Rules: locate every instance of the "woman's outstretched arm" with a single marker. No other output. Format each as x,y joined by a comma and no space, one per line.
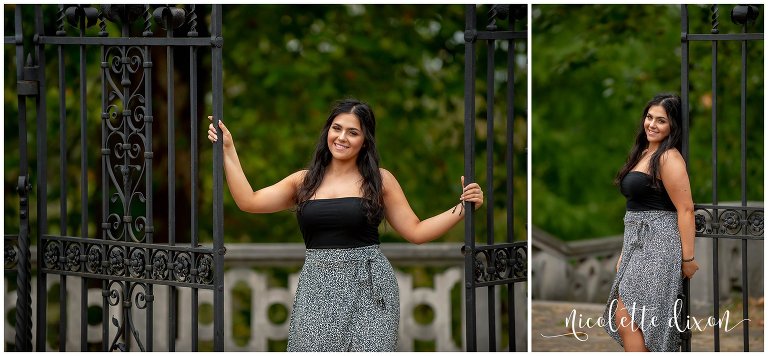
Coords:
277,197
402,218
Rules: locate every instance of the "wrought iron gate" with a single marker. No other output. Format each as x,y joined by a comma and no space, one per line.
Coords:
493,264
716,221
122,260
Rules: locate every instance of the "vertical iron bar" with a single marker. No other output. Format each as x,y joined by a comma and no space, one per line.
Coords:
24,267
489,176
63,184
42,144
195,163
148,155
83,186
684,74
510,175
172,295
470,35
218,188
715,241
104,195
126,112
686,340
744,257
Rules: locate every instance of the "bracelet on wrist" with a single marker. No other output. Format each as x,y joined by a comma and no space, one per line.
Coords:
690,259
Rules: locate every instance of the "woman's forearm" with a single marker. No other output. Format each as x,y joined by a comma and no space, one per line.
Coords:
436,226
686,224
236,180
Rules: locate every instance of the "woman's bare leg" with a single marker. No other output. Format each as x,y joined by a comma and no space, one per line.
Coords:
630,333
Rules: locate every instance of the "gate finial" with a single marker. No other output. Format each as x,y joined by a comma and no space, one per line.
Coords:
497,11
169,17
742,14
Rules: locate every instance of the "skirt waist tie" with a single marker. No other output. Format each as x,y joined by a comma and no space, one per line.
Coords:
365,277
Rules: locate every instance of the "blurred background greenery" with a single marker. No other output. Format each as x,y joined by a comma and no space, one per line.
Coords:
594,68
284,66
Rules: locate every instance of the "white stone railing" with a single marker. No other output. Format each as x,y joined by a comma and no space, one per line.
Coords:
248,265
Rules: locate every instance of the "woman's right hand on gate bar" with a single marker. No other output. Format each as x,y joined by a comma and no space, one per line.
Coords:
213,136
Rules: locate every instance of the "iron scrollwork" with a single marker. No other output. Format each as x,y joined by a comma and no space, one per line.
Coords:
103,259
119,294
11,252
126,143
497,264
730,222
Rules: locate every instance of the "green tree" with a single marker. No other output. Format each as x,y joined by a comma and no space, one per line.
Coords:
594,69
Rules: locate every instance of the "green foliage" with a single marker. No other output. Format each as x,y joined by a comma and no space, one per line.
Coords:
594,68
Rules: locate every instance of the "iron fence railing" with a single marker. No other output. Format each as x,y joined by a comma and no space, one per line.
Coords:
122,256
493,264
716,221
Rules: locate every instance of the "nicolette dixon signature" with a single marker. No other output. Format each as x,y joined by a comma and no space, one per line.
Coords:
638,319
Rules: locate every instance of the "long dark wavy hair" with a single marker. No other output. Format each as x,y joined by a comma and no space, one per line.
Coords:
671,104
367,160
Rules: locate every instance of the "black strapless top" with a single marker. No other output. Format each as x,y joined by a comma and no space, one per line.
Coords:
641,195
336,223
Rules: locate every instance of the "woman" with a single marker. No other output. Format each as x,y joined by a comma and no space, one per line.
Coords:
658,234
347,298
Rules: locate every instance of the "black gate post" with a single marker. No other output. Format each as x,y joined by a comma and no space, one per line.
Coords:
492,264
218,185
685,335
25,87
470,35
718,221
42,172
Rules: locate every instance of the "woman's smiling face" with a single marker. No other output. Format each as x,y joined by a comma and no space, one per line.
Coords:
656,124
345,137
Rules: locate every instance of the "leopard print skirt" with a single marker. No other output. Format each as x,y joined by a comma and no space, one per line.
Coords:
346,300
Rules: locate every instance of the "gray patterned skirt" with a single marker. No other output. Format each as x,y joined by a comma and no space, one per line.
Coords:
346,300
649,278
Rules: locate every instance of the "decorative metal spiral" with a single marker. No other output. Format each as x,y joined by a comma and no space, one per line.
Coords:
60,22
192,21
147,22
715,18
102,25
